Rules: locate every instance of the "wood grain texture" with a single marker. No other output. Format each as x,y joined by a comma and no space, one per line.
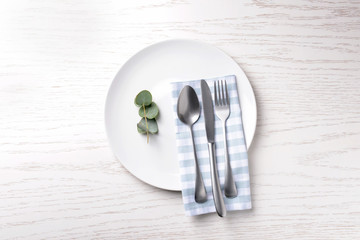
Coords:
59,179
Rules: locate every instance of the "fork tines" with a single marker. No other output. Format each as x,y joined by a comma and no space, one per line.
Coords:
221,96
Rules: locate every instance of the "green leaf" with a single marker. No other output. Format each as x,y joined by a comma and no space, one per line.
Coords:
153,127
143,98
140,130
152,111
152,124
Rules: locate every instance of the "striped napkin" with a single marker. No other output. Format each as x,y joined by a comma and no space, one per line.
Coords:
236,146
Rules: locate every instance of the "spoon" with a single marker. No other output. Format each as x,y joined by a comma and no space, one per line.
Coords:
188,111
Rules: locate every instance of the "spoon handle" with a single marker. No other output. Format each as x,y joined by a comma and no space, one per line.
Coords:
200,191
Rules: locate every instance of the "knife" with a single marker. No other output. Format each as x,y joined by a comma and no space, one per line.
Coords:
210,134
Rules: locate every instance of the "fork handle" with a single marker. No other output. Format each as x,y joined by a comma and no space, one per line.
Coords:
215,183
230,187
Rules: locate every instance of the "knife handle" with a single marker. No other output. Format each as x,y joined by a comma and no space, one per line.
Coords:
217,194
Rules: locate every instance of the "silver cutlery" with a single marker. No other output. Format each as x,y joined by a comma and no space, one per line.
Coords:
188,111
210,134
222,111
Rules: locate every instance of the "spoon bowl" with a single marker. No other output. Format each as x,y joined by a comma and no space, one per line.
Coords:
188,107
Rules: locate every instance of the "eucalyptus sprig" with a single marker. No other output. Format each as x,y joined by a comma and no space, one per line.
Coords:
149,111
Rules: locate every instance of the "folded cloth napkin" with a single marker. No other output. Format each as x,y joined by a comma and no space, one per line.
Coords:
236,148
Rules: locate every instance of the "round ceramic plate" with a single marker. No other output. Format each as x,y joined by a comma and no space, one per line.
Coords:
153,68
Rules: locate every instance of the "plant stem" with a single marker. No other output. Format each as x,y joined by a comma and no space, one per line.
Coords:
147,127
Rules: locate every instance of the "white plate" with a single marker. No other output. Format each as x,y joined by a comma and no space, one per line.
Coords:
153,68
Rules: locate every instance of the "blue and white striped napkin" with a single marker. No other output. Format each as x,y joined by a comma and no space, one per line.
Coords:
236,146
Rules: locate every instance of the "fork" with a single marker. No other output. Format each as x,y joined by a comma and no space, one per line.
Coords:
222,111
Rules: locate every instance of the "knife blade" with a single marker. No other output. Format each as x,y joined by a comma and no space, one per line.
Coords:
208,111
210,134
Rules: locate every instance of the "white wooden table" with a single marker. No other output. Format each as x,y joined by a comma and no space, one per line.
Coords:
59,178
